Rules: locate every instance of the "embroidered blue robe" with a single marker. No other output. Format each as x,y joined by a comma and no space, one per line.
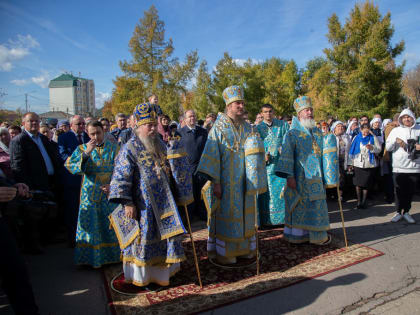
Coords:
306,207
154,238
271,203
232,223
96,243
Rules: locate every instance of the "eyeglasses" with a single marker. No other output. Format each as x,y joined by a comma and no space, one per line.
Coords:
80,124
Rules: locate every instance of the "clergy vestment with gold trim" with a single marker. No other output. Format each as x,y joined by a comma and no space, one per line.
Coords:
271,203
96,243
312,161
231,222
150,244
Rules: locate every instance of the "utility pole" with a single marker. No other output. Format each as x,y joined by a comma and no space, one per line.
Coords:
26,102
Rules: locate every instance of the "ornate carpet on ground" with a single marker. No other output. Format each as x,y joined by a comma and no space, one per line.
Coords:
282,264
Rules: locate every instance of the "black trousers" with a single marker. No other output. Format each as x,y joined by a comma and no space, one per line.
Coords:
405,187
197,207
16,282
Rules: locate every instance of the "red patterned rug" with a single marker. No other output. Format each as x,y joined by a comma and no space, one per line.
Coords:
281,264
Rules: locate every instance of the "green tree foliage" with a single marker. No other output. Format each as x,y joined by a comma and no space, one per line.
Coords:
201,102
411,88
273,81
359,75
281,84
152,69
226,73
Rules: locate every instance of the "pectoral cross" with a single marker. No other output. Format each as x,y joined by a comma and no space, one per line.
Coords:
158,170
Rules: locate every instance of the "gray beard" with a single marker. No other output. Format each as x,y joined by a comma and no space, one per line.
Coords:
308,123
152,144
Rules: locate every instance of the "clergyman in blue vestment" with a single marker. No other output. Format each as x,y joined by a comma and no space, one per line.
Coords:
231,218
147,222
308,160
96,243
271,203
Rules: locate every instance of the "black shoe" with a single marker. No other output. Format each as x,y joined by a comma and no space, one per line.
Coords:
358,206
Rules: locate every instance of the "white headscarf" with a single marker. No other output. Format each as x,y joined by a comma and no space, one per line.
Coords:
385,122
349,131
3,146
374,120
335,124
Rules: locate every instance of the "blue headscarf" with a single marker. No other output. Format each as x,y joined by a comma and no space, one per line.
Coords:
355,146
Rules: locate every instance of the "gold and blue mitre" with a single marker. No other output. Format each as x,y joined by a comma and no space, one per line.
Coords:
144,114
301,103
232,94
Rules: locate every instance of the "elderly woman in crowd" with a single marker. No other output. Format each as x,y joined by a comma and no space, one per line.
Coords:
352,128
376,127
343,148
5,169
362,157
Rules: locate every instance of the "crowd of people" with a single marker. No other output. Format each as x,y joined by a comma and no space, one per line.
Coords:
69,180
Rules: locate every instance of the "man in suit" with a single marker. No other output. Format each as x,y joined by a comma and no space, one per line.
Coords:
193,138
67,143
34,162
126,134
121,121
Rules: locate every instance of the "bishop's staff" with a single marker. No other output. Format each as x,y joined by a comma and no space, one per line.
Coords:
193,246
331,168
256,177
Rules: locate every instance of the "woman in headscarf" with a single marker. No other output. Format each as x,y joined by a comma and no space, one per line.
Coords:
352,129
163,127
376,127
5,153
362,157
343,148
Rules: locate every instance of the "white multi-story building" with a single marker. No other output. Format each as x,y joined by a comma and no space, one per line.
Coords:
72,95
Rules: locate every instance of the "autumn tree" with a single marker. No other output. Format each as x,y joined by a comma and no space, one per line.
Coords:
360,75
226,73
411,88
202,90
152,69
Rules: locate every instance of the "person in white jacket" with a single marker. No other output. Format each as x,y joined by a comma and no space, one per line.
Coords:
405,168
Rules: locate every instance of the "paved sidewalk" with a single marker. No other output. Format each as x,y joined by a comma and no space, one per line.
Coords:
385,285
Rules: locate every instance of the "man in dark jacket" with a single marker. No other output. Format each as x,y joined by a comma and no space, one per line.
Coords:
126,134
34,162
71,184
32,158
121,121
194,138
